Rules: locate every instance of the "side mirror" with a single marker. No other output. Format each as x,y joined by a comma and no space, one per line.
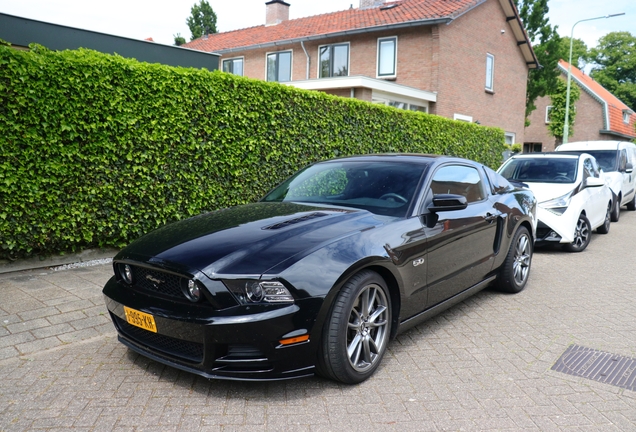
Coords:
629,168
594,182
448,202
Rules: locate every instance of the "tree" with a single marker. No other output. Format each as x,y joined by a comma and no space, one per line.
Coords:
615,65
178,39
542,81
557,113
580,53
202,21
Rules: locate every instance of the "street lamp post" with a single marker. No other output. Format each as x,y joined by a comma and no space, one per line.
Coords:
566,126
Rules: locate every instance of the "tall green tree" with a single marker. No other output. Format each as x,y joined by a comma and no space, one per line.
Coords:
202,20
615,65
546,43
557,113
580,52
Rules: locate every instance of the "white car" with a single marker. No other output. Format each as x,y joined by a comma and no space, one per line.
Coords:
573,199
617,160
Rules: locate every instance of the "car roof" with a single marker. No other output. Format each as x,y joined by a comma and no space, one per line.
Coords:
592,145
402,157
547,155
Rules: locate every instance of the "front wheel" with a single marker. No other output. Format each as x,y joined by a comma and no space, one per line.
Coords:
357,330
515,270
582,235
632,204
604,229
616,210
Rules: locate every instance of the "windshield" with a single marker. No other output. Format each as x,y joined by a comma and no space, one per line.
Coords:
541,170
381,187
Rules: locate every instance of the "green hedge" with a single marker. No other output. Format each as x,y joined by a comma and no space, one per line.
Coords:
96,150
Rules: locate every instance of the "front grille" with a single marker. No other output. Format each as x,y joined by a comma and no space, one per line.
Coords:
185,350
155,281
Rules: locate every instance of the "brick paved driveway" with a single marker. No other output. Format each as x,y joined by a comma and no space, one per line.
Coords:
483,365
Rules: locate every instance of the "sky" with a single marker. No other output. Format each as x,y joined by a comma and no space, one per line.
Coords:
162,19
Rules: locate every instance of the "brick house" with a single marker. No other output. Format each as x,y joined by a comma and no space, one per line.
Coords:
599,115
462,59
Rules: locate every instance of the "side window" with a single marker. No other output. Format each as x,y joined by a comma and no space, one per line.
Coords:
458,180
490,73
334,60
387,59
622,161
588,169
233,66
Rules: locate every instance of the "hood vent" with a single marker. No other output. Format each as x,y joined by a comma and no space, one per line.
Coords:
295,221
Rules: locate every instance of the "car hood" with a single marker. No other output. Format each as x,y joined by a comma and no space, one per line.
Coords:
547,191
246,240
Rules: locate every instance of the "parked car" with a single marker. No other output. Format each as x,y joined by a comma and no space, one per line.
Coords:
324,270
573,197
617,160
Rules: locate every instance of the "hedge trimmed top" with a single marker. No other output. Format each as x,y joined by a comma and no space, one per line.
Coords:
96,150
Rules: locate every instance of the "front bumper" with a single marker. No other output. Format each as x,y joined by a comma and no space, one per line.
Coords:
240,343
555,228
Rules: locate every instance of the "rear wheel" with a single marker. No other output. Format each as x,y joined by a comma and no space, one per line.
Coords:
582,233
616,210
357,330
604,229
515,270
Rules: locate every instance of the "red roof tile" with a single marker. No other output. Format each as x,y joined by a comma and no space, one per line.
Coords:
405,11
614,112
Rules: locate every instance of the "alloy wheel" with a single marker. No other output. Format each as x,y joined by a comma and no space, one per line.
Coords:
581,233
521,264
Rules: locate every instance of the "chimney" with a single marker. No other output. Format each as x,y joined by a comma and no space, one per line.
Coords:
276,11
367,4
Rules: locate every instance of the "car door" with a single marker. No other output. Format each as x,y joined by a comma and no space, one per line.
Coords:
597,204
460,243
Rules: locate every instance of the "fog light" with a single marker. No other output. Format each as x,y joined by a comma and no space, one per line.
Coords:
126,274
194,292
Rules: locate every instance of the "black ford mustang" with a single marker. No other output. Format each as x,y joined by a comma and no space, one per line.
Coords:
324,270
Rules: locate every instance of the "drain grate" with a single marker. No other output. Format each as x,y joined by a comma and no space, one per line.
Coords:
599,366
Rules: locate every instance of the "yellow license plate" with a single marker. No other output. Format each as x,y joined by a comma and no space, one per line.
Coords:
140,319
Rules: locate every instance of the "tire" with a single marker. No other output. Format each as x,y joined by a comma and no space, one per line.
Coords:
631,206
604,229
616,210
582,235
355,337
514,272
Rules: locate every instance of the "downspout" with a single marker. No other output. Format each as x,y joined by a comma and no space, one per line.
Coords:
302,44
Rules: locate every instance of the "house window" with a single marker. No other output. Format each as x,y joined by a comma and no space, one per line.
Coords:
626,117
233,66
387,56
279,66
334,60
532,147
490,72
548,114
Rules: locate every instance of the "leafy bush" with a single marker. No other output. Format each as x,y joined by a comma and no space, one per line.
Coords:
96,150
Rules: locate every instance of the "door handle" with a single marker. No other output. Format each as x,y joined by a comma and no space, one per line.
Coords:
490,217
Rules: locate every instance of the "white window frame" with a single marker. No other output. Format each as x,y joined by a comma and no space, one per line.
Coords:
233,59
547,113
348,59
462,117
490,76
291,64
395,57
626,116
510,136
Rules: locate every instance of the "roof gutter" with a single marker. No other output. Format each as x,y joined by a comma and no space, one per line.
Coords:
618,134
337,34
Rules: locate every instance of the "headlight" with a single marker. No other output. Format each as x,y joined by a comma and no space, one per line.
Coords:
252,292
557,205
